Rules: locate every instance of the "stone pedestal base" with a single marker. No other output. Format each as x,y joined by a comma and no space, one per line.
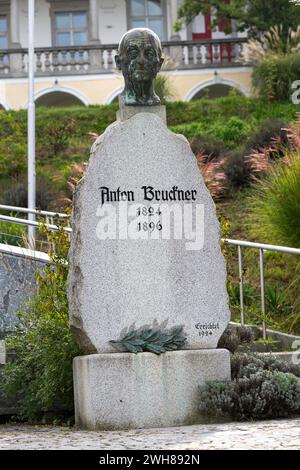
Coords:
128,391
126,112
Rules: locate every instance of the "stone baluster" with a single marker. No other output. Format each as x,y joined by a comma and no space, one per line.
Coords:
216,53
73,60
47,61
202,55
95,59
81,59
175,52
38,61
64,60
55,61
110,59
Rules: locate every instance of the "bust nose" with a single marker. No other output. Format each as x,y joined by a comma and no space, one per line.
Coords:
141,58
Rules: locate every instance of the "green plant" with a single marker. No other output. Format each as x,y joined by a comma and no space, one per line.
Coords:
56,137
232,338
233,131
41,376
271,133
274,76
261,388
12,146
156,339
16,193
243,365
208,146
275,204
163,88
255,17
12,234
276,301
237,169
249,295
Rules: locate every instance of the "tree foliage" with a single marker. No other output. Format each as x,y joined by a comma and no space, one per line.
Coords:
256,16
41,377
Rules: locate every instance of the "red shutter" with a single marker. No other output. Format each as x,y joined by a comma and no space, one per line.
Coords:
207,32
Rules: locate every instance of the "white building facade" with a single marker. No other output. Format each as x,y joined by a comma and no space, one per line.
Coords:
76,42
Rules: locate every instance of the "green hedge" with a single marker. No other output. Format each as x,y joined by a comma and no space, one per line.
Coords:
63,137
274,76
97,118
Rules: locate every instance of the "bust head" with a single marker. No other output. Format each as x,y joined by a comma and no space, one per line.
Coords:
140,59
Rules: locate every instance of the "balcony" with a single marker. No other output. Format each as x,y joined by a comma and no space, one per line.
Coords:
50,61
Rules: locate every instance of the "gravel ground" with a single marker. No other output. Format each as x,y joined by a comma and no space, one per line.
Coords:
279,434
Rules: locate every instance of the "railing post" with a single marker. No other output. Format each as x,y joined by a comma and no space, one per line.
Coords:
241,282
94,59
16,63
176,54
262,291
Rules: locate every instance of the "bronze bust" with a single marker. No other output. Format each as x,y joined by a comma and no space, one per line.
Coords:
140,59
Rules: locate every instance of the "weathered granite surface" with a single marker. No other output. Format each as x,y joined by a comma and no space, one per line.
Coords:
130,391
114,283
126,112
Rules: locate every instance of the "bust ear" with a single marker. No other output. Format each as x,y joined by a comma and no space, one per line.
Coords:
161,61
118,62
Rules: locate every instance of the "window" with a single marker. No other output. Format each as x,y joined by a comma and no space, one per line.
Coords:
147,14
3,32
71,28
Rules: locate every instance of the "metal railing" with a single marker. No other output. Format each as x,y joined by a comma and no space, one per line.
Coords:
201,53
239,243
262,248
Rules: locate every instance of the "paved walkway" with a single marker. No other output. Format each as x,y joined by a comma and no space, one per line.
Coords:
281,434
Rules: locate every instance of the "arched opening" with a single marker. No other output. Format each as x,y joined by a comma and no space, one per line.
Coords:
115,100
58,99
3,106
217,90
114,97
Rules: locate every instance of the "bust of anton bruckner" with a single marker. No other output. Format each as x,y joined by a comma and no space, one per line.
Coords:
140,59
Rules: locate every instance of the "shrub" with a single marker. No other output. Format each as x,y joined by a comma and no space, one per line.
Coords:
56,136
237,169
233,132
213,174
261,388
275,204
12,234
274,76
13,149
46,194
41,376
270,132
277,302
243,365
194,130
163,88
233,338
229,340
208,146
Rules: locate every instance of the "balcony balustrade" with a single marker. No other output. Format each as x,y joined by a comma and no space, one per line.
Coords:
79,60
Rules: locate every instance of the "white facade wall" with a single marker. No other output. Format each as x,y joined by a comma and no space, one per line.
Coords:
112,20
42,23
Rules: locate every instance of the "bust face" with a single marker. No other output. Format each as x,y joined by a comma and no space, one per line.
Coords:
139,55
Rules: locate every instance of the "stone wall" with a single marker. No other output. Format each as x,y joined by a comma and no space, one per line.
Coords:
17,285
